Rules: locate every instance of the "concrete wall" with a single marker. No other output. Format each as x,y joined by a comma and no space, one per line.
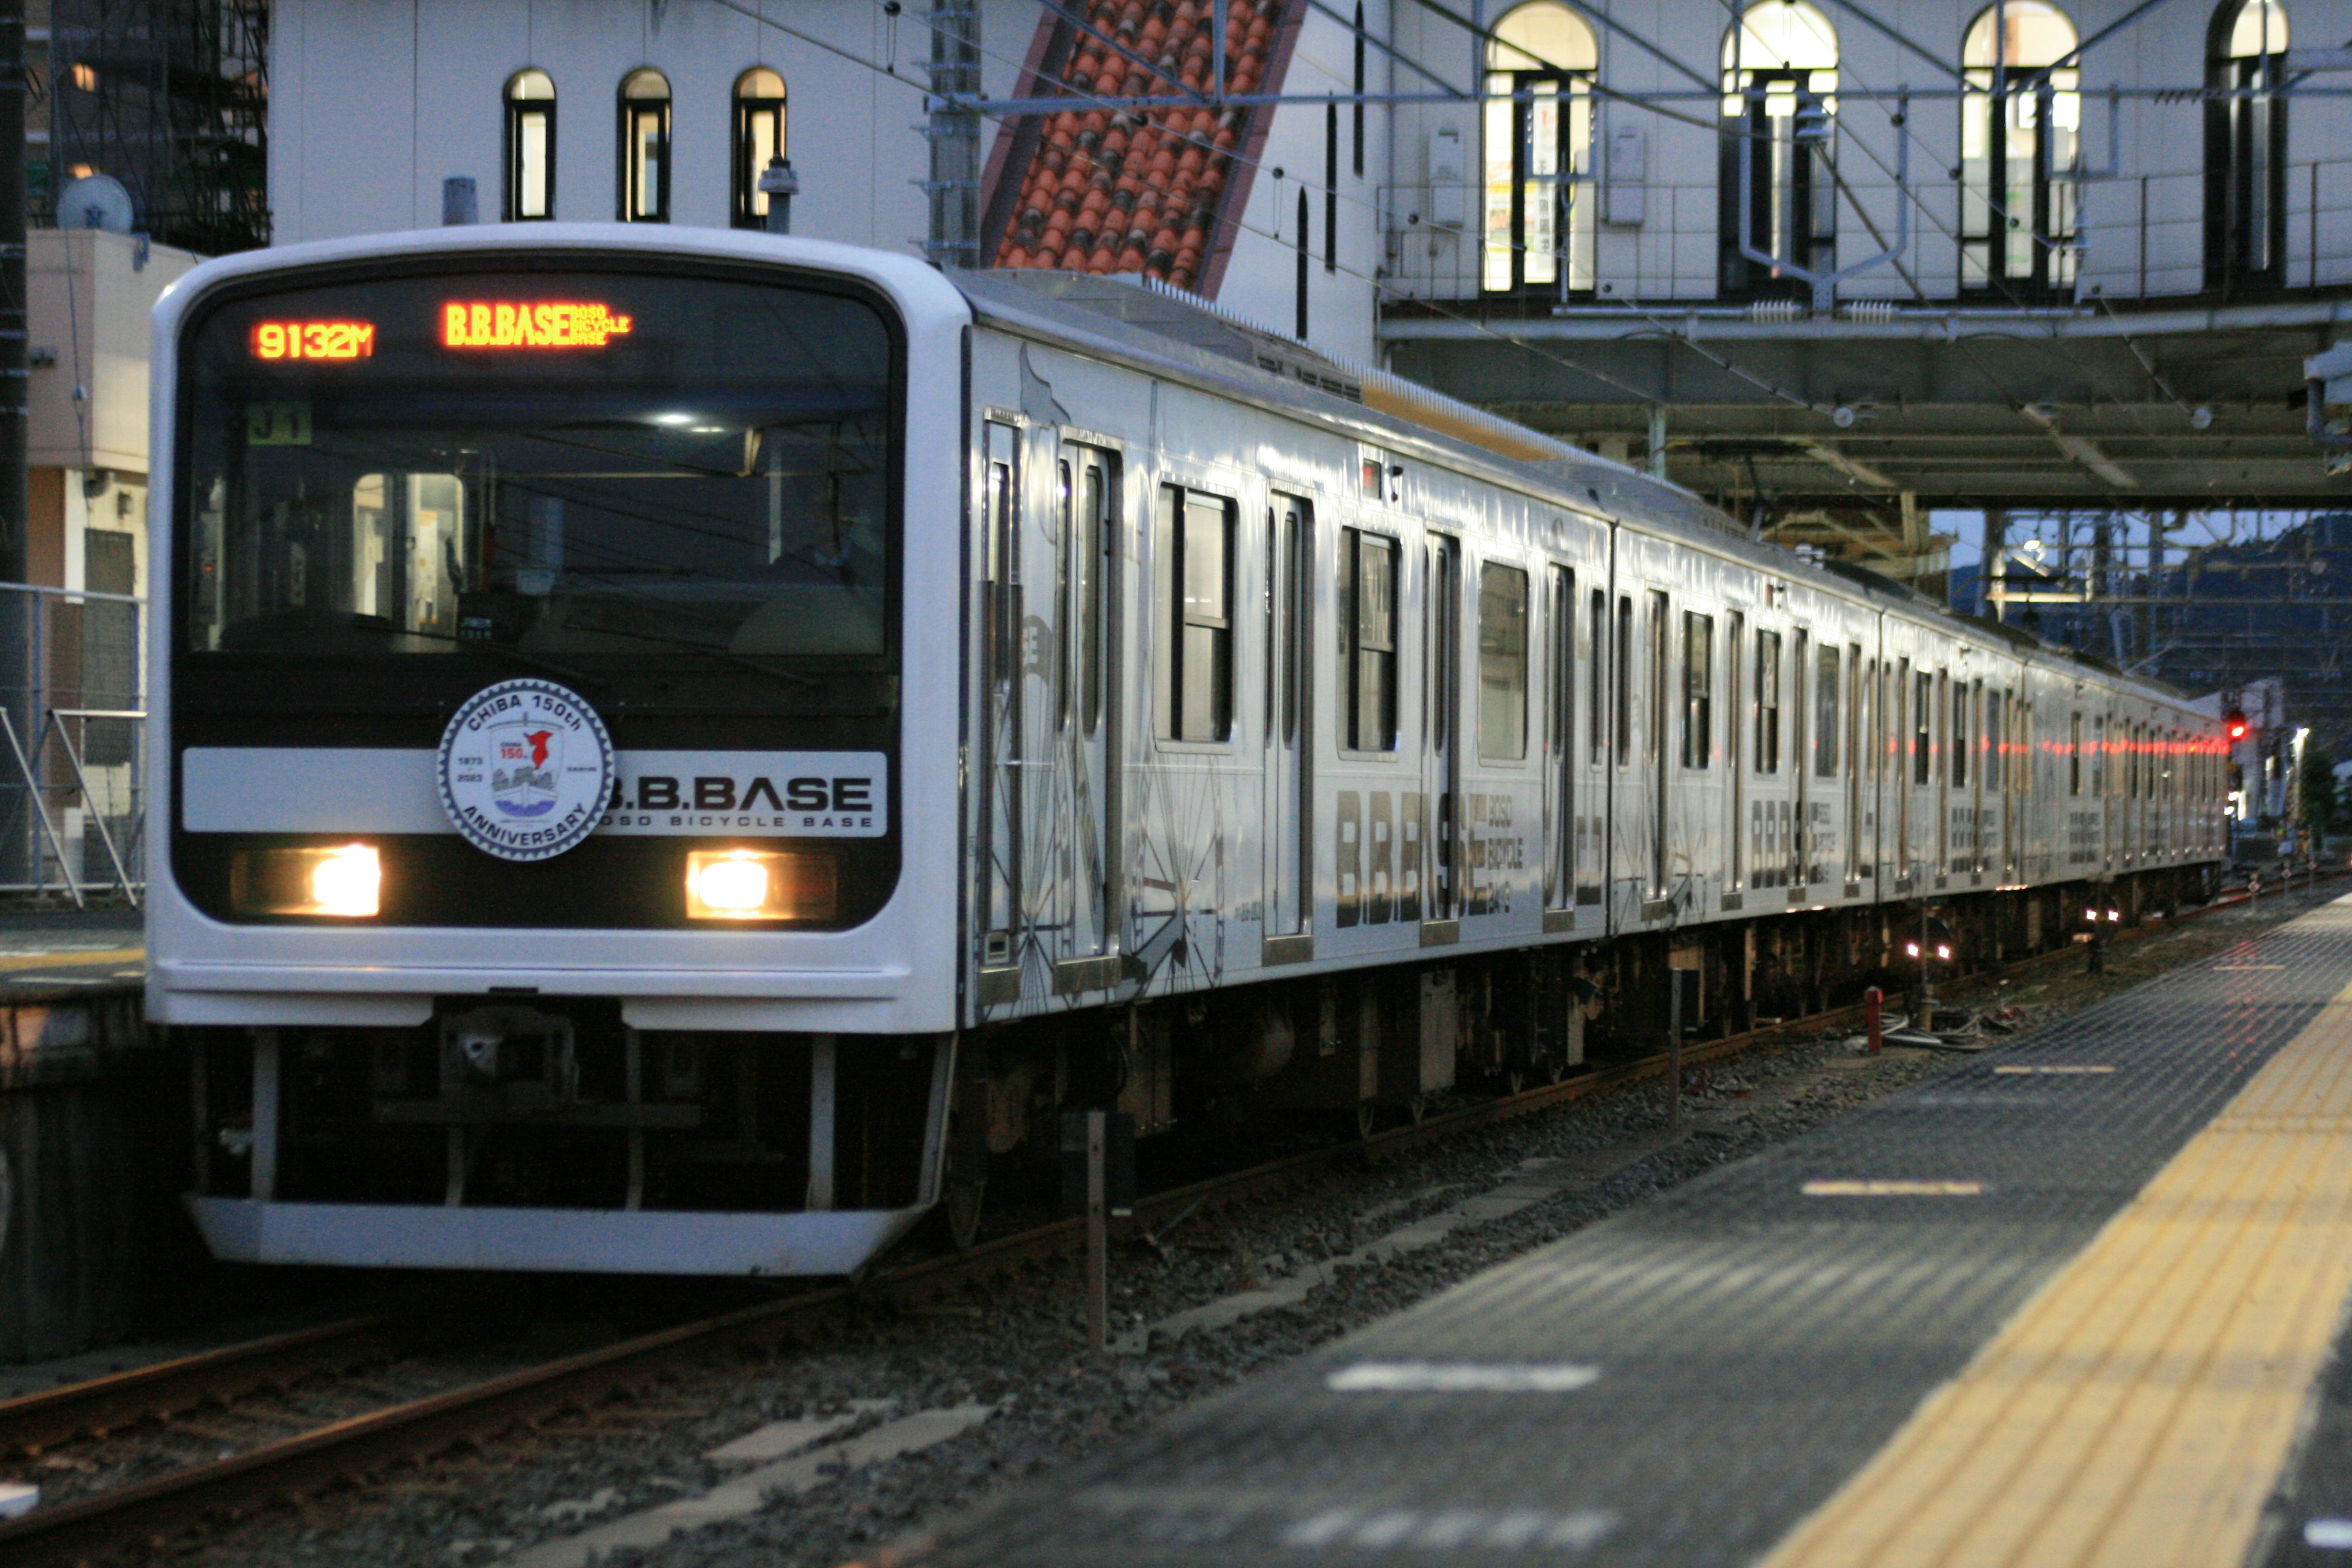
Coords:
1342,281
92,1147
375,102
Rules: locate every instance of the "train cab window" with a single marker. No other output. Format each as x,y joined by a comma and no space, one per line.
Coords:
644,147
1596,675
1192,617
567,509
530,147
1698,690
1825,711
1367,640
1767,702
1502,663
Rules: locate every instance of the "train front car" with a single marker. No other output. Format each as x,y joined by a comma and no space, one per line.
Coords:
552,865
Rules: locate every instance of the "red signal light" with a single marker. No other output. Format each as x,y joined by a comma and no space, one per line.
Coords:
2236,723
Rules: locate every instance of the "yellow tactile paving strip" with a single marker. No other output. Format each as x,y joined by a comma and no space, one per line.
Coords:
2137,1410
67,958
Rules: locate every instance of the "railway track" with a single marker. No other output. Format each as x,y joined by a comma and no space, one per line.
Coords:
152,1512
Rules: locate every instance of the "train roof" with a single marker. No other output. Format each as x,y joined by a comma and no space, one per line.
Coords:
1162,329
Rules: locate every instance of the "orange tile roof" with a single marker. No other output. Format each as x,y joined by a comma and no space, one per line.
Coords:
1106,192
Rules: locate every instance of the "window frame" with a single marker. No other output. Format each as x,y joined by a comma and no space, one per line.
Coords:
518,110
1175,622
1767,759
748,207
1698,691
1827,685
1356,543
634,110
1488,571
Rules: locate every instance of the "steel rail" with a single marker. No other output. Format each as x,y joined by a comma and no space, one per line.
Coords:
151,1513
34,1422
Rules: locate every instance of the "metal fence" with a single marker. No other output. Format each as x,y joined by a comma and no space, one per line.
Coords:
73,707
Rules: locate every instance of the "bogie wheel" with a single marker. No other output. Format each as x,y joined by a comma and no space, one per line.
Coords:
959,1210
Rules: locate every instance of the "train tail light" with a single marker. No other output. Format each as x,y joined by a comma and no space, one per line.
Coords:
759,885
345,881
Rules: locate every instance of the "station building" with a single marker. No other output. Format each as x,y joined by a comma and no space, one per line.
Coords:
1837,265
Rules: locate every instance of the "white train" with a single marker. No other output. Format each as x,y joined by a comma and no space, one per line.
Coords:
676,746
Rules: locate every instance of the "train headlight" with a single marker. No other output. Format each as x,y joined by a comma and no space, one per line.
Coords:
345,881
759,885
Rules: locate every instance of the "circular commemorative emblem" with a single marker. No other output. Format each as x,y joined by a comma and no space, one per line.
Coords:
526,769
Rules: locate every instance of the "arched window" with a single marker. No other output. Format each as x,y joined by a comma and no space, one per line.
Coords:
531,146
758,136
2245,148
1538,130
2021,150
644,147
1779,193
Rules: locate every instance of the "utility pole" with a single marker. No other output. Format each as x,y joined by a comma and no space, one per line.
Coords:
954,130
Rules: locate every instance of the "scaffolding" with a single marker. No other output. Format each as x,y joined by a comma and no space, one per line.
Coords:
171,97
2206,601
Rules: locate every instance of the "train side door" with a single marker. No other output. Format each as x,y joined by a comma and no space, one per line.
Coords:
1442,704
1000,711
1088,698
1735,755
1800,747
1560,759
1290,720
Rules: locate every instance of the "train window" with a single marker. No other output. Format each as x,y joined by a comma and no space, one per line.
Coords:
1561,725
1962,730
2074,754
1923,728
1502,663
2098,754
1622,669
1596,677
1091,552
644,147
1193,616
1996,740
1560,730
1368,639
1297,608
1656,675
758,136
1825,711
1767,702
531,146
1698,690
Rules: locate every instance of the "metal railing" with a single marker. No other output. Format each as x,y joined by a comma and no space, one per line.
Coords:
72,768
2137,235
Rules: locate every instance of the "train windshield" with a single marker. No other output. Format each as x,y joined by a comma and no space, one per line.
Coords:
595,466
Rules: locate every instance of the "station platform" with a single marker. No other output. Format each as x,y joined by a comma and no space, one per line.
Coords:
46,954
2074,1301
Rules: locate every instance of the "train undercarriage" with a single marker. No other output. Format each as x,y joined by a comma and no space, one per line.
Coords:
801,1152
